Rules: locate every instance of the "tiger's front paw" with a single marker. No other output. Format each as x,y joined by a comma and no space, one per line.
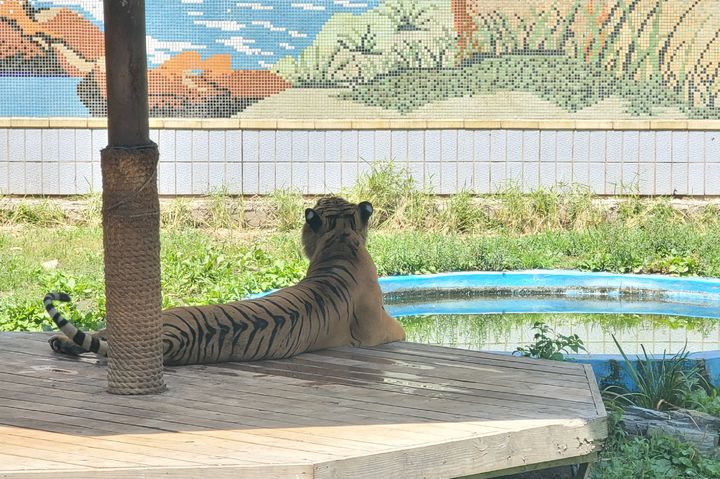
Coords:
63,345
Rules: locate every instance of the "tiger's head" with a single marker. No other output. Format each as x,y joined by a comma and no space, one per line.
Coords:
333,215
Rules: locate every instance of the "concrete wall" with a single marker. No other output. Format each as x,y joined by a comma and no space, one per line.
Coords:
65,161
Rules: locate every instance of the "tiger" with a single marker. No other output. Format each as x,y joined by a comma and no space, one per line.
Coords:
337,303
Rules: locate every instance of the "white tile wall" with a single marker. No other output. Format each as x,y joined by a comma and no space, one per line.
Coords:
4,163
67,161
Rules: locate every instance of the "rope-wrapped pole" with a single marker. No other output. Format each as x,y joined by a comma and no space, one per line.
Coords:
131,213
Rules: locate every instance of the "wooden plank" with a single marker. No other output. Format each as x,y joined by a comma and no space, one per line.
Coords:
425,363
12,462
487,403
262,422
65,454
334,406
595,391
245,441
496,380
397,432
478,357
410,388
299,471
154,452
472,456
536,467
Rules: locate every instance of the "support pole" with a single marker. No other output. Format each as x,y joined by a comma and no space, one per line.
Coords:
131,211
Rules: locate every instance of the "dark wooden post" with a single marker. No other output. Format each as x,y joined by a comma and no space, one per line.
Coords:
131,212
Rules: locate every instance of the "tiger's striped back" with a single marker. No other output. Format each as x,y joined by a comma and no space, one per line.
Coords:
338,303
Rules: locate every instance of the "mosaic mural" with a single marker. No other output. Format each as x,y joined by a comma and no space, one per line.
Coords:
524,59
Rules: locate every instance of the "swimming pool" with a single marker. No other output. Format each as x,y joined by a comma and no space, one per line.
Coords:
464,309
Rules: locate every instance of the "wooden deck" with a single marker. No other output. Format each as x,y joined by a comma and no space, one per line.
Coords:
399,411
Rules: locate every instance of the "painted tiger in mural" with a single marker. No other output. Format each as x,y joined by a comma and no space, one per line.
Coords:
338,303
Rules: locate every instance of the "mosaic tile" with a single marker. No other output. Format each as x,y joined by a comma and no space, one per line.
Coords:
217,150
283,146
316,177
531,59
216,177
300,145
383,145
696,147
680,146
250,146
679,179
166,178
316,146
399,145
16,145
663,179
83,177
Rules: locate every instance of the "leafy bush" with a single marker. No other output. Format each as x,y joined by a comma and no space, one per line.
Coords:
550,345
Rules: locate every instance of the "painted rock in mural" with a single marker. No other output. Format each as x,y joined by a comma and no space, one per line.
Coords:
187,86
61,42
54,41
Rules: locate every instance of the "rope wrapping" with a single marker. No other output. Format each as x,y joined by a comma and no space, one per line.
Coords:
131,239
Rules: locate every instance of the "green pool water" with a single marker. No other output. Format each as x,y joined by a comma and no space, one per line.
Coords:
505,332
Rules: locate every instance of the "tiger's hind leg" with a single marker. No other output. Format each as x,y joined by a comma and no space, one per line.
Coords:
63,345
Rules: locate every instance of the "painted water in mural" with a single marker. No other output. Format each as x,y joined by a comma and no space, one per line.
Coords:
484,59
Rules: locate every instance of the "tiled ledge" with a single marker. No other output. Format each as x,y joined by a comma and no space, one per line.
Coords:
387,124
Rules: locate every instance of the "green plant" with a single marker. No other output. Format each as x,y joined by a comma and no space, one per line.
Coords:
704,399
395,196
286,209
178,214
225,211
657,383
42,212
408,15
550,345
461,214
654,457
363,43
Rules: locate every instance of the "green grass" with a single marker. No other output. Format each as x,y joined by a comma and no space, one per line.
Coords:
655,457
200,266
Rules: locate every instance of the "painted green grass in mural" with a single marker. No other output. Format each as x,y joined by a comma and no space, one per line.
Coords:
569,83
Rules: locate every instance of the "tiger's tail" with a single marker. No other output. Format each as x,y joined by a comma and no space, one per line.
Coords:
86,341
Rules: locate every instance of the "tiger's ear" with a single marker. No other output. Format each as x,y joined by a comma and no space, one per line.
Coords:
313,219
366,210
